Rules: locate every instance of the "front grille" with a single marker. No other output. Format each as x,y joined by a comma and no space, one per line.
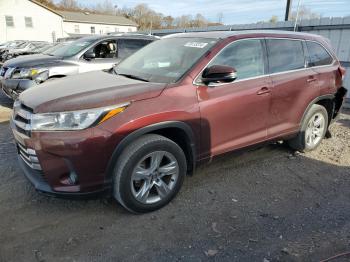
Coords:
21,118
29,156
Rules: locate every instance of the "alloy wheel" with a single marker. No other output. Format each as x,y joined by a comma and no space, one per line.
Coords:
154,177
315,130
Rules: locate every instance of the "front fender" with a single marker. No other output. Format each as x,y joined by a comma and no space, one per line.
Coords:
149,129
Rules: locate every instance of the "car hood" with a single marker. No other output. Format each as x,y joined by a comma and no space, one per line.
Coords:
32,61
88,90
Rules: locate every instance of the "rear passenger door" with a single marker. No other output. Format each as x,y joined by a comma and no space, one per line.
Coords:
294,85
323,64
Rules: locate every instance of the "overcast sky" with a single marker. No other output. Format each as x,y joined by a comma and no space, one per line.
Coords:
235,11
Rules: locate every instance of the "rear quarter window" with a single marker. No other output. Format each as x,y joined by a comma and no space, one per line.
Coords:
127,47
285,55
318,55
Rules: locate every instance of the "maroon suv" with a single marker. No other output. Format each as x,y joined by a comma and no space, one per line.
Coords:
137,132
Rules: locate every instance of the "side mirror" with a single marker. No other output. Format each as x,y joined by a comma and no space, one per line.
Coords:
90,54
219,73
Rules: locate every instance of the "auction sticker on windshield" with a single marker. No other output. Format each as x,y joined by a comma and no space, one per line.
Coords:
196,44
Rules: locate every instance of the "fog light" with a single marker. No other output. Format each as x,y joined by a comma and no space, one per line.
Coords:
73,178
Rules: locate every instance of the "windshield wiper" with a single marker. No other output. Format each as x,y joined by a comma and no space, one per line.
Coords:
134,77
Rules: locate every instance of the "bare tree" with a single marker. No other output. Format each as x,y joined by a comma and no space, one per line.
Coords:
69,5
199,21
304,13
145,17
107,7
168,21
47,3
273,19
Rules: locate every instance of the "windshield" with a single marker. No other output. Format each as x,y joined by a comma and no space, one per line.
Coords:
166,60
21,45
55,47
72,48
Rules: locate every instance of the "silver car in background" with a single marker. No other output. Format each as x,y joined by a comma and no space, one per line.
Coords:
83,55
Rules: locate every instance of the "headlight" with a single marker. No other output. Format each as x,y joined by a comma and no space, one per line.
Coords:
31,73
74,120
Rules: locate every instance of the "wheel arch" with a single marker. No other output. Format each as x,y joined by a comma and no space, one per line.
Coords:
179,132
326,101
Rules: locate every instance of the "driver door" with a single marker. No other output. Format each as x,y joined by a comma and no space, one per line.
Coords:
234,115
106,56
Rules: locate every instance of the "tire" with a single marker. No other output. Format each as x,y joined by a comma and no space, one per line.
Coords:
142,167
302,142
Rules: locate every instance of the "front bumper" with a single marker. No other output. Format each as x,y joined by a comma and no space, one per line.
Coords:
60,154
40,184
13,87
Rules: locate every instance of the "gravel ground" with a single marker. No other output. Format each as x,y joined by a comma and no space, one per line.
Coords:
264,205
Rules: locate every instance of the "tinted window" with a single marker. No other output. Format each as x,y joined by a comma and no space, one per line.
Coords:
318,55
246,56
285,55
128,47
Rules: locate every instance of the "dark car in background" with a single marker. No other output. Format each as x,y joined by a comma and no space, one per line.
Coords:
138,131
83,55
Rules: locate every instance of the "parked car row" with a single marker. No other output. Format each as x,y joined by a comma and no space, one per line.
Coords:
135,132
69,58
23,48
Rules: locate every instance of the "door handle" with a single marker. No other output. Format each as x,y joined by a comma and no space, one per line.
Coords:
311,79
263,90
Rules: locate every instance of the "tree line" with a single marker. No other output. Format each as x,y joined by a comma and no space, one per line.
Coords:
142,14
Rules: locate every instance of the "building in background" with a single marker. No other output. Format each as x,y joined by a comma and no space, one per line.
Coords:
87,23
30,20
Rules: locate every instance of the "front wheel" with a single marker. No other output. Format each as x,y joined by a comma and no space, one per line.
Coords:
149,173
313,130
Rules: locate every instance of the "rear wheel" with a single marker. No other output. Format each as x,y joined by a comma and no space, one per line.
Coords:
313,129
149,173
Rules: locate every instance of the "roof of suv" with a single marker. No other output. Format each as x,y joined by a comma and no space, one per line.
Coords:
121,35
250,33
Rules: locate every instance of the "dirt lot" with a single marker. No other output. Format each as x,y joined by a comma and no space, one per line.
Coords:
265,205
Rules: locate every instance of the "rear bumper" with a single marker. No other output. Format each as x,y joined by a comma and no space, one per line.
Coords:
340,101
13,87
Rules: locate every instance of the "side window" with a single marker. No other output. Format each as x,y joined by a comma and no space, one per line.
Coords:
76,29
318,56
106,49
28,21
285,55
9,21
246,56
129,46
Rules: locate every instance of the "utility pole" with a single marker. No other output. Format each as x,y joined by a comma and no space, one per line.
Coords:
288,9
297,17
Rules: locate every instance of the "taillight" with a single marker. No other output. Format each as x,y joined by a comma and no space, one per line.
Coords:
342,72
